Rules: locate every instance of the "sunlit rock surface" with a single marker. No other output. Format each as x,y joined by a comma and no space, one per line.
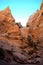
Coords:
21,45
35,24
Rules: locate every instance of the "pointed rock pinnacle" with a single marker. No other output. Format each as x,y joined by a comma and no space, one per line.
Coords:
41,7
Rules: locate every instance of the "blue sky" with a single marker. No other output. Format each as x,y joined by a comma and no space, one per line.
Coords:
21,9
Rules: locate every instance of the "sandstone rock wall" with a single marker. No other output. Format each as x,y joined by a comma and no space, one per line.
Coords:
21,44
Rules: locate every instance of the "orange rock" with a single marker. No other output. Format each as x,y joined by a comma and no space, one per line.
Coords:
25,32
8,28
6,20
14,30
35,24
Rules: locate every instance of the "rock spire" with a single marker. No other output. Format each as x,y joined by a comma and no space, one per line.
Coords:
41,7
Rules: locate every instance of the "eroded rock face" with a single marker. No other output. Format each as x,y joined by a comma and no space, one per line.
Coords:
6,20
35,24
21,45
7,23
8,28
25,32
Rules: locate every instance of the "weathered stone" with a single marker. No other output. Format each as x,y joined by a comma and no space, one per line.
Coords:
21,44
25,32
35,25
